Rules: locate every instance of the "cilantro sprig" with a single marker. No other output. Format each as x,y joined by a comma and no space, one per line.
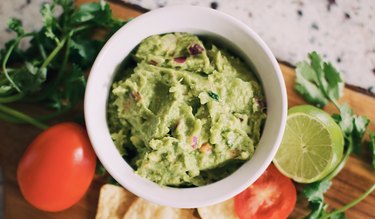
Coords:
319,83
50,72
371,144
213,95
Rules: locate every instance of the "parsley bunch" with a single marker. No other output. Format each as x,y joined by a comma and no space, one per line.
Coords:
319,83
50,72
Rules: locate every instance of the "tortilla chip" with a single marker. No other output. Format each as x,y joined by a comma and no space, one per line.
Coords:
114,201
148,210
223,210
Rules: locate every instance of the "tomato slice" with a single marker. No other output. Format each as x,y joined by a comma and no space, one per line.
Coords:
272,196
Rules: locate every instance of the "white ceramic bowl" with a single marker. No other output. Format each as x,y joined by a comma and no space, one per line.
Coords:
200,21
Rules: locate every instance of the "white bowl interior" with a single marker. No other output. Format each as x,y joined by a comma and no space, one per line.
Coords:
200,21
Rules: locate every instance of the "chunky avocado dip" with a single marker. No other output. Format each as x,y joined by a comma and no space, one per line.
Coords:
184,112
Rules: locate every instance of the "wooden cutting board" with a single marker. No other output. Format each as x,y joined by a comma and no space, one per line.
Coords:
353,180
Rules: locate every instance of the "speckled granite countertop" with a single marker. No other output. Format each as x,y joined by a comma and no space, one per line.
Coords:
342,30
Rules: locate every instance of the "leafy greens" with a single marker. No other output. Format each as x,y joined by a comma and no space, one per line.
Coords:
50,72
319,83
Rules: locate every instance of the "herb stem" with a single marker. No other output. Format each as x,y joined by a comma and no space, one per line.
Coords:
5,60
9,118
40,47
13,98
7,56
351,204
54,53
65,60
23,117
58,77
83,27
334,101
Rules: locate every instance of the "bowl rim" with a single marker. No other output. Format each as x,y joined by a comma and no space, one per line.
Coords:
174,197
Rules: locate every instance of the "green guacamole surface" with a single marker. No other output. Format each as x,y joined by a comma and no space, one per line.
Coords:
183,112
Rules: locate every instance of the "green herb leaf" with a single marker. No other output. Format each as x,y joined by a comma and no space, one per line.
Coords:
4,89
314,192
345,119
335,81
318,82
86,12
339,215
307,85
213,95
67,5
360,126
317,210
49,21
353,126
95,13
372,148
29,78
71,90
16,26
84,51
75,85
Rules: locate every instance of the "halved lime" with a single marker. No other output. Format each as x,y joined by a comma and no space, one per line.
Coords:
312,145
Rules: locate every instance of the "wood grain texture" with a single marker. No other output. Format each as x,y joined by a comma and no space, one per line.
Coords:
352,181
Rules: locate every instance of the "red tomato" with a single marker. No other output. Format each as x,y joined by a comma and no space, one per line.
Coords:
57,168
272,196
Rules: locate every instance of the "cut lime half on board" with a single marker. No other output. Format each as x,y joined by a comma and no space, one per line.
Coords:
312,145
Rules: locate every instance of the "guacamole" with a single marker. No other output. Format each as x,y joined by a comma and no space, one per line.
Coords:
184,112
